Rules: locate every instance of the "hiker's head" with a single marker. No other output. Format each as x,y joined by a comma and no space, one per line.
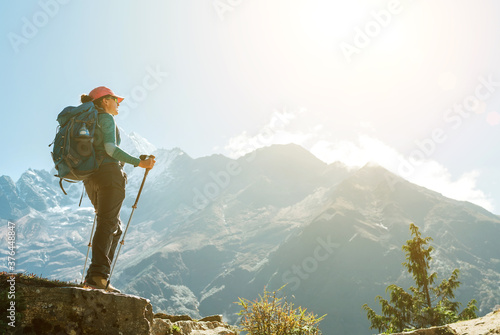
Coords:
103,98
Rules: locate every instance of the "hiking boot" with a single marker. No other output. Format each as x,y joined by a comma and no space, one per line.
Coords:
98,282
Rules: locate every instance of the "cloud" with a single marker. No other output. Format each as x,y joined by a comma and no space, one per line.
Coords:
355,153
276,131
436,177
428,173
282,128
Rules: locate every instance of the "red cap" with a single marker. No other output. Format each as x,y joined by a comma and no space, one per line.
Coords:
101,91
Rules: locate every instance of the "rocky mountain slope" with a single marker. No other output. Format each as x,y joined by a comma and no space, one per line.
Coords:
212,229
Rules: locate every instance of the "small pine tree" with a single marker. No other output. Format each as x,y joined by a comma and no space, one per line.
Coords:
426,304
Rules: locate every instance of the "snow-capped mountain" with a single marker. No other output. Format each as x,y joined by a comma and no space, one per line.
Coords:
212,229
135,144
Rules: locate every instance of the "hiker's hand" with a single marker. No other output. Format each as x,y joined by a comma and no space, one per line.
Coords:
147,163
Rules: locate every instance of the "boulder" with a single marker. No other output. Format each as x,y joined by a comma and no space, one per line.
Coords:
74,310
59,308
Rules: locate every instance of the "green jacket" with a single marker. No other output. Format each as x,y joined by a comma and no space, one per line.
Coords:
108,141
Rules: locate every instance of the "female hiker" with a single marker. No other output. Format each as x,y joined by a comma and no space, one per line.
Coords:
106,187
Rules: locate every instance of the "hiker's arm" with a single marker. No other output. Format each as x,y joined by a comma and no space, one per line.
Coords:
108,127
120,155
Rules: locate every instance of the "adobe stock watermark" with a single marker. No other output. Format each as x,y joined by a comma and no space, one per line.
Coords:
364,35
223,6
220,180
150,82
32,25
11,282
324,249
454,116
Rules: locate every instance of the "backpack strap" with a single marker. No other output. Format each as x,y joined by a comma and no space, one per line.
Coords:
81,198
61,185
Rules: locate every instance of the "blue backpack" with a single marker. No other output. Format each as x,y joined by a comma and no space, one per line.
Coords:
74,154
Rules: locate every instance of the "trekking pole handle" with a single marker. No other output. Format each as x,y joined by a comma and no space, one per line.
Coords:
144,157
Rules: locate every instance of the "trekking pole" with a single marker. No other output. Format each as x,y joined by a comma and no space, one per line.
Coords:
89,245
134,206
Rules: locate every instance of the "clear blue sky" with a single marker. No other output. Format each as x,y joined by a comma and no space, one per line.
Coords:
355,81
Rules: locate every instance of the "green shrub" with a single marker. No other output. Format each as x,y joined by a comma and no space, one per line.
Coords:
270,315
176,329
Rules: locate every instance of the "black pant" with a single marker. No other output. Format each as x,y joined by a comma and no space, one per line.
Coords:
106,190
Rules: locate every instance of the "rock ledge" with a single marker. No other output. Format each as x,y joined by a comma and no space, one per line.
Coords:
486,325
75,310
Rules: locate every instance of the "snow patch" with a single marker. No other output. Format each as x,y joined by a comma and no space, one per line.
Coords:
353,237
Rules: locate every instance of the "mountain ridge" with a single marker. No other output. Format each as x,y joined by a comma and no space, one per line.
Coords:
209,230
